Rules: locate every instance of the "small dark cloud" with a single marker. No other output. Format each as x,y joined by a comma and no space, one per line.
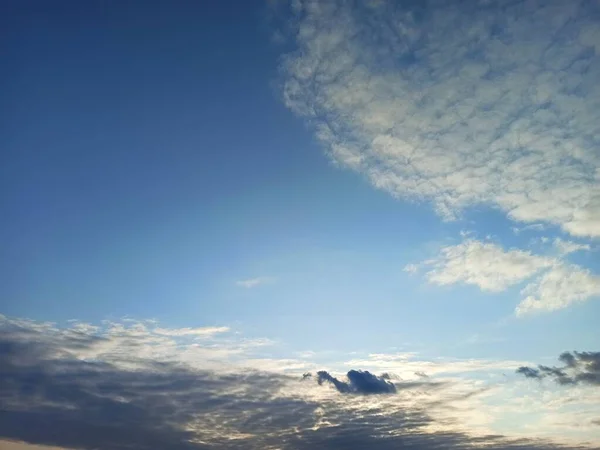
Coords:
579,367
359,382
528,372
421,374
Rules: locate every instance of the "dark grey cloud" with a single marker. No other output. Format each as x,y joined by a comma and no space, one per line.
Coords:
359,382
47,396
579,367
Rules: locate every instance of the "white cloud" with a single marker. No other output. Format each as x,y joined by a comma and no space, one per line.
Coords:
566,247
240,408
483,264
494,269
459,105
253,282
201,332
558,288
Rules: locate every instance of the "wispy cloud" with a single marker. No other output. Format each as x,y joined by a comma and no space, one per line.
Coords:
200,332
458,104
565,247
250,283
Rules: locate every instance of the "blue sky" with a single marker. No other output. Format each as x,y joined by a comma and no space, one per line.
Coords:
335,185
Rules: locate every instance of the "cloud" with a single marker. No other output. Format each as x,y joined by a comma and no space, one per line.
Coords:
52,395
491,268
564,247
532,227
253,282
359,382
458,104
558,288
483,264
578,368
201,332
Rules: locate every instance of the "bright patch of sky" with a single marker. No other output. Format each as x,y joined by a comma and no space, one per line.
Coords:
243,192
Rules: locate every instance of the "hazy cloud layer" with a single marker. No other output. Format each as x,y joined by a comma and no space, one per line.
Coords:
458,103
52,392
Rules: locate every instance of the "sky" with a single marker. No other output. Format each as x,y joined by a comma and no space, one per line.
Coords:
300,224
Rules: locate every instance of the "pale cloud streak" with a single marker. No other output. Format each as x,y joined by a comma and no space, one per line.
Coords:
199,332
565,247
250,283
458,104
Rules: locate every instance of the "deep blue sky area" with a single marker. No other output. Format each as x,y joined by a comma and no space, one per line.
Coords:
150,166
149,161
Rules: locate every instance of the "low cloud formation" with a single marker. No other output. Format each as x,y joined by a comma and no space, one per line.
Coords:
53,393
578,368
359,382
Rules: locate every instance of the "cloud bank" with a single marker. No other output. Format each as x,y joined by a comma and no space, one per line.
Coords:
57,388
458,103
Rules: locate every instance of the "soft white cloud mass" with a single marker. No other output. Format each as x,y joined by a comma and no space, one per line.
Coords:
491,268
484,264
200,332
558,288
458,103
253,282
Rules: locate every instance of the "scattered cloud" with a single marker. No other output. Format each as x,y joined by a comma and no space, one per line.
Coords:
458,104
578,367
491,268
561,286
483,264
254,282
